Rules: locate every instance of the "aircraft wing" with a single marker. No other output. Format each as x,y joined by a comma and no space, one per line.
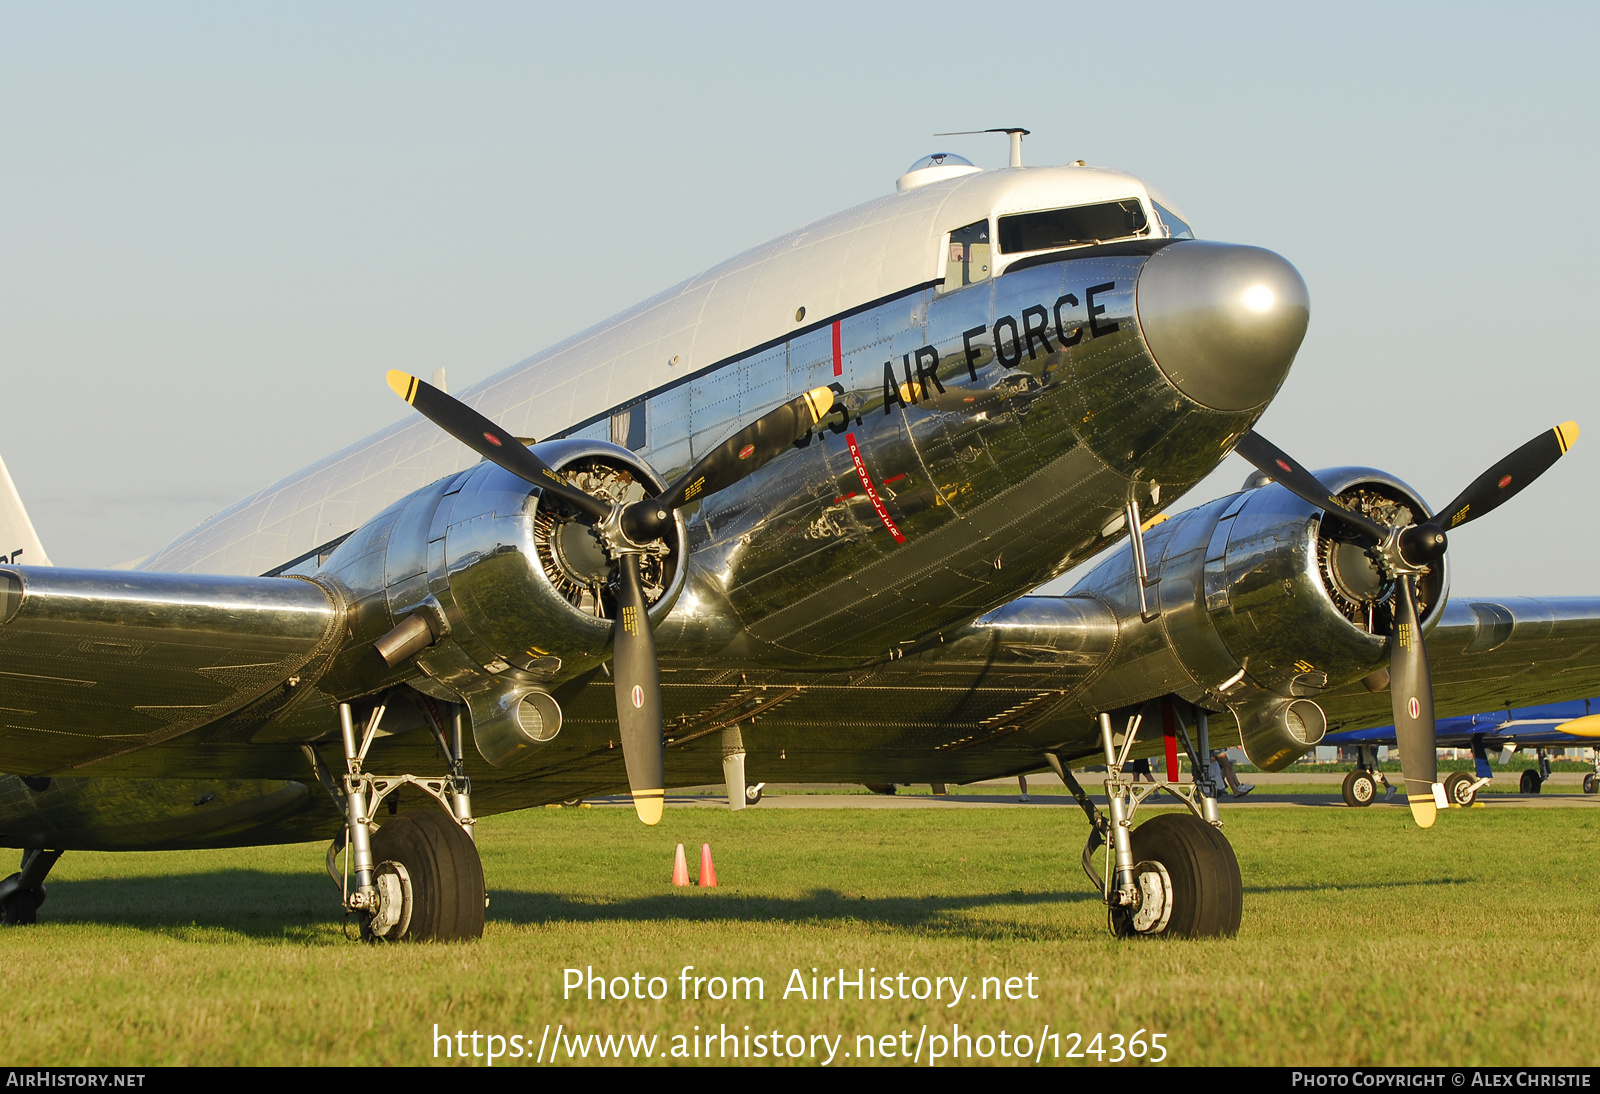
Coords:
1491,654
97,663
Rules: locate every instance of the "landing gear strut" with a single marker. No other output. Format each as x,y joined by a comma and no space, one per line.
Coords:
1176,874
23,892
418,876
1533,780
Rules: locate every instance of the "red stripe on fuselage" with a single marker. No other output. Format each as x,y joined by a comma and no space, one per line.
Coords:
838,358
872,491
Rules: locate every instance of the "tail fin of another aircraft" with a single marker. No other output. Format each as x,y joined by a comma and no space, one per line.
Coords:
19,543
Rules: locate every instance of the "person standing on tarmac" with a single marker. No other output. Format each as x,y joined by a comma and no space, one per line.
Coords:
1219,756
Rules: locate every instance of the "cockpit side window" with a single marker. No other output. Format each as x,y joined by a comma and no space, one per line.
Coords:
969,257
1176,228
1075,227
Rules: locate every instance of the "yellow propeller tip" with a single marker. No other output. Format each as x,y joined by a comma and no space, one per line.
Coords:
403,383
819,400
1423,810
1568,432
649,805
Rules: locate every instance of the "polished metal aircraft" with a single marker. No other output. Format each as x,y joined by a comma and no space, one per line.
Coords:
785,515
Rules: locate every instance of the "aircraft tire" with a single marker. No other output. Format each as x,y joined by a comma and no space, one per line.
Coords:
1359,789
1455,789
1531,781
19,909
445,874
752,794
1591,784
1207,893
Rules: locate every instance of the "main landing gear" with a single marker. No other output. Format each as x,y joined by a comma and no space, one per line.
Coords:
1533,781
418,877
1176,874
1360,787
23,892
1461,788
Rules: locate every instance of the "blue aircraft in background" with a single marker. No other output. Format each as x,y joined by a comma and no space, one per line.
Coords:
1571,724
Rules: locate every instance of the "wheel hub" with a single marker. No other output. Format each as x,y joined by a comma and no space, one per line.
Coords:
392,916
1155,898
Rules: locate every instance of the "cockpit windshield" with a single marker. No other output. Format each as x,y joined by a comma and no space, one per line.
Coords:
1176,228
1074,227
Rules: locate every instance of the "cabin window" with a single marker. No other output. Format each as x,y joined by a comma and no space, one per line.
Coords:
1076,227
627,427
969,259
1176,228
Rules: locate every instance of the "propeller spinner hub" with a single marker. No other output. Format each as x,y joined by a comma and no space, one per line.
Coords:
1410,549
614,530
1422,544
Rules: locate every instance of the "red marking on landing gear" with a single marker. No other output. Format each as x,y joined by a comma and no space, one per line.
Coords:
1170,738
838,358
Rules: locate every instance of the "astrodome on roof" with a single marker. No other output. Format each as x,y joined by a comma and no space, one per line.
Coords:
935,168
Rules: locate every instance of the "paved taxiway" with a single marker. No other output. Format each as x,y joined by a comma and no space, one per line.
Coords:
1047,791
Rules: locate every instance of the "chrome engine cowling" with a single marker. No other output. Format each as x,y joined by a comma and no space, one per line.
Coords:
517,592
1263,604
1294,601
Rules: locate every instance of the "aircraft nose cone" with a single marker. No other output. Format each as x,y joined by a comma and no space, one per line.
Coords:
1222,321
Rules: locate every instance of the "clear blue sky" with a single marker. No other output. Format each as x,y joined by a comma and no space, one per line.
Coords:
220,224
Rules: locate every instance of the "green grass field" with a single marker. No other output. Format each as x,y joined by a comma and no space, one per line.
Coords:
1364,941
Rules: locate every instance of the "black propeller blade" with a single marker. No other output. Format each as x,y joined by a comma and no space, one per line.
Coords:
638,688
1411,699
627,534
1273,461
490,441
1502,481
1401,553
733,459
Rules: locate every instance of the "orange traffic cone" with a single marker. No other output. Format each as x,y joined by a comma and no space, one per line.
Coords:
680,868
708,872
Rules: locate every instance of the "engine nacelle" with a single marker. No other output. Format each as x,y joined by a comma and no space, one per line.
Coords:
1264,603
516,593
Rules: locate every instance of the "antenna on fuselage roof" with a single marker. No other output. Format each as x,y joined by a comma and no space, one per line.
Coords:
1016,135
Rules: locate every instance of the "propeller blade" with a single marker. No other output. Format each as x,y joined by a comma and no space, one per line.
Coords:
1501,482
1411,691
490,441
637,679
768,436
1275,462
